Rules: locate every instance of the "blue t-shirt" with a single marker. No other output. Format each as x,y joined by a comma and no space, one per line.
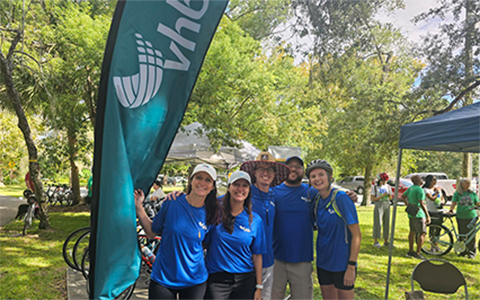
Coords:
293,230
264,205
333,252
179,262
233,252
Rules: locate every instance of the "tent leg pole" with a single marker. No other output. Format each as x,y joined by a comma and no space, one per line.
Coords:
394,214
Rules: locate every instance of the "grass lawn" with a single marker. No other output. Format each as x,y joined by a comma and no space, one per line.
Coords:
32,267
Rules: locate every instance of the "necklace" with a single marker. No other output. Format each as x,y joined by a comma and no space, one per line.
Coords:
190,212
266,203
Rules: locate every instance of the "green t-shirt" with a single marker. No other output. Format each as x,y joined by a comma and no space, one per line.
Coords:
464,203
89,186
415,195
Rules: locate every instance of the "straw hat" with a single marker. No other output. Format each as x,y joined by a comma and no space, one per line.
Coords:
282,171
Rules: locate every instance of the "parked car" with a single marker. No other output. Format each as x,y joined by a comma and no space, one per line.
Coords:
354,183
403,185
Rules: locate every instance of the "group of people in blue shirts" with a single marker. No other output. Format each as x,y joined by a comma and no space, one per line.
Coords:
258,237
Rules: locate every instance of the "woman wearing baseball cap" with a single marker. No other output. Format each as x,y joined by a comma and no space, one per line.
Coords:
179,269
339,236
235,247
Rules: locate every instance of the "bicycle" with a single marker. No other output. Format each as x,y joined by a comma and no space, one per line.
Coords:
440,239
32,202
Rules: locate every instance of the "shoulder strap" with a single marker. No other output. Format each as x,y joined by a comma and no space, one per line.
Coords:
333,203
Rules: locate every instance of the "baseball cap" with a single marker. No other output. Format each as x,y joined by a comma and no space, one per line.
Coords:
294,157
239,175
205,168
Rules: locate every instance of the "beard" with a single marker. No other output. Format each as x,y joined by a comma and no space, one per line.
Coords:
294,181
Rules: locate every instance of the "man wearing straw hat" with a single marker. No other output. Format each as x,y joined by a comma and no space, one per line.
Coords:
266,173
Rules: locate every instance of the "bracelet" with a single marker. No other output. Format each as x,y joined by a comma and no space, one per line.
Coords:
352,263
259,286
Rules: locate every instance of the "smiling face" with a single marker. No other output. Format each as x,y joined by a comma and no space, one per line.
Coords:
202,184
466,185
239,190
319,179
264,174
296,172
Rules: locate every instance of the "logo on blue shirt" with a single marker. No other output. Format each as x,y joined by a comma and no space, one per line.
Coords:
306,199
245,228
202,225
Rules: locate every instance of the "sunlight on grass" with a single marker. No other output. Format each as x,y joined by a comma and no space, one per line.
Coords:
32,267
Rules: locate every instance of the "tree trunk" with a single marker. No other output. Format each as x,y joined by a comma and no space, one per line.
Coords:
34,168
367,187
469,76
74,178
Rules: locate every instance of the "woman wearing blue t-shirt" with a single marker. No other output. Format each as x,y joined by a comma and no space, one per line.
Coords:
179,269
235,247
339,236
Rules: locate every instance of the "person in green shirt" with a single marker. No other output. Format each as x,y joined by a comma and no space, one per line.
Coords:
464,199
415,195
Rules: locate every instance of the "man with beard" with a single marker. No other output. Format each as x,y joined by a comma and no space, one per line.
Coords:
293,234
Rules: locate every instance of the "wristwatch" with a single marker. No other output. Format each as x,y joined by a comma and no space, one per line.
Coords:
259,286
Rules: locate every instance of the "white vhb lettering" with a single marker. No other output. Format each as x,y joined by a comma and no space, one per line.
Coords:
183,63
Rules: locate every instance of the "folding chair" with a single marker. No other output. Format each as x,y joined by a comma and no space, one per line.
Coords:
442,278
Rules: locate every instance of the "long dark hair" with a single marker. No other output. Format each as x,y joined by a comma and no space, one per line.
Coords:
228,220
211,204
428,181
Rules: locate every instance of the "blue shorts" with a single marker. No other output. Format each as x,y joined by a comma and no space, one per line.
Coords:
336,278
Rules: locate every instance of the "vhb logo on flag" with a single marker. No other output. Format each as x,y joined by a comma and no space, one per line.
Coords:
154,52
133,91
136,90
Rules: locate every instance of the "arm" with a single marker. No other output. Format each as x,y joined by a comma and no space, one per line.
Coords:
257,265
173,195
142,215
424,207
432,197
404,198
452,207
352,195
349,278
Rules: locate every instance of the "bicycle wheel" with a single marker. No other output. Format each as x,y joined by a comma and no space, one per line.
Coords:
127,293
68,198
69,244
85,266
439,240
81,246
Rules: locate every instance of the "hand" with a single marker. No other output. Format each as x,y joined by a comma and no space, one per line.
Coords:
428,220
349,278
352,196
139,198
173,195
258,294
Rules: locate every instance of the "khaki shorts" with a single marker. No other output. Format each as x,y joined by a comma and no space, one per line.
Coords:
418,225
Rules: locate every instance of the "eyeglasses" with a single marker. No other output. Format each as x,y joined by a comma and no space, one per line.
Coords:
269,170
298,167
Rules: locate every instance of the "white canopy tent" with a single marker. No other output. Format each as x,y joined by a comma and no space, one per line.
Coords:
194,146
455,131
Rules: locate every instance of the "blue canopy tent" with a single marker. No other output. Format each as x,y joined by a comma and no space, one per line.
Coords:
455,131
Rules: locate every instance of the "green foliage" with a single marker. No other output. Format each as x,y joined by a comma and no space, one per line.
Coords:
243,94
452,53
259,18
434,161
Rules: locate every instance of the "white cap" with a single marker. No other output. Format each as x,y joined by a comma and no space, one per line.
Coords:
205,168
239,175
